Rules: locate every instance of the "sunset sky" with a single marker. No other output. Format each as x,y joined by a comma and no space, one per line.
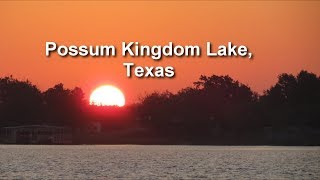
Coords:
283,36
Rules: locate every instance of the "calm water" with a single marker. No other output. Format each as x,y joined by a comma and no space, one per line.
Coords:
154,162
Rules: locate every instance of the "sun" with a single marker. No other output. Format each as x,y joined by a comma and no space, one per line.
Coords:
107,95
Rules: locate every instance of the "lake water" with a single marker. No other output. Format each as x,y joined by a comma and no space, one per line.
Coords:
154,162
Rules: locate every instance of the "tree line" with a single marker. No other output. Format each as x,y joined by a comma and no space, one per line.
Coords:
214,110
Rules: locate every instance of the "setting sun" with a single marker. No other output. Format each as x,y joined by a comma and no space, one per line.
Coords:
107,95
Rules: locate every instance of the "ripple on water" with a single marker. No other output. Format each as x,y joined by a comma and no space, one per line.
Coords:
153,162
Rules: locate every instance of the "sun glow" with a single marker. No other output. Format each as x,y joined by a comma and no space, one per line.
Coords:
107,95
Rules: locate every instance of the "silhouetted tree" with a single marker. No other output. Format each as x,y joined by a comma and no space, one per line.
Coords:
293,101
20,102
215,110
216,102
155,108
64,106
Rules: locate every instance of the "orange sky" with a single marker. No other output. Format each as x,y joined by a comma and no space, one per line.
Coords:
283,37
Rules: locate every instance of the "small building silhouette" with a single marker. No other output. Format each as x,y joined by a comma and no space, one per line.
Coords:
36,134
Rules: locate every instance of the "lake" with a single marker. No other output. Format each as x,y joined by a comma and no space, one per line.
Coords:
154,162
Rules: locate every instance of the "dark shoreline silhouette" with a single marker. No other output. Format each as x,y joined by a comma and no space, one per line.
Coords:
216,110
